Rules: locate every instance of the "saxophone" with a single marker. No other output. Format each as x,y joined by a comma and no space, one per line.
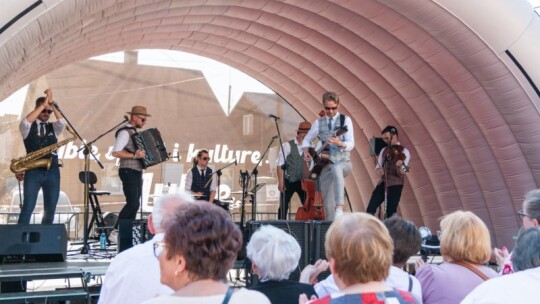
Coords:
34,159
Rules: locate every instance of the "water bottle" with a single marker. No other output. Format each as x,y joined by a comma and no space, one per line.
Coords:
103,240
166,189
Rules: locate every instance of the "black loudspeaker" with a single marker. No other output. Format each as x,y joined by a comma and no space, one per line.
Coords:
131,233
33,243
300,230
318,236
376,144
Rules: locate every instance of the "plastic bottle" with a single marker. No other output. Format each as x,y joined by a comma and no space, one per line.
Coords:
103,240
166,189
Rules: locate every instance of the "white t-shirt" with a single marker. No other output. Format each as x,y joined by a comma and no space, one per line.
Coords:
242,296
518,287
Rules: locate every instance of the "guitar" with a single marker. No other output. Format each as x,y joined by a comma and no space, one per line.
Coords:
321,157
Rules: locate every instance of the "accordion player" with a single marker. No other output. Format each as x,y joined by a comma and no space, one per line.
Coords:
151,143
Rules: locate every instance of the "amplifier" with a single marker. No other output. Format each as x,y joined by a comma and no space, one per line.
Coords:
33,243
131,233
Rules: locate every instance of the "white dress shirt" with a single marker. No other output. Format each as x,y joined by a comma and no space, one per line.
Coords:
134,276
58,126
314,132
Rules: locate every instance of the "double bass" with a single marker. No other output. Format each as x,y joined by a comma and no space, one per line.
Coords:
313,208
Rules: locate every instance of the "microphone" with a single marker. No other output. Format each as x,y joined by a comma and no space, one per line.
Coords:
273,116
126,118
55,104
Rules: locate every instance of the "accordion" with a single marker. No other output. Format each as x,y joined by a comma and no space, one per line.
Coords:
151,143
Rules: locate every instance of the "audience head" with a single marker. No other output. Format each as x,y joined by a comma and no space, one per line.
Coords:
531,209
201,242
526,254
359,249
163,207
406,238
465,237
274,253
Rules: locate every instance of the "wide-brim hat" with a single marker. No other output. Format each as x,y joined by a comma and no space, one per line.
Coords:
138,110
304,126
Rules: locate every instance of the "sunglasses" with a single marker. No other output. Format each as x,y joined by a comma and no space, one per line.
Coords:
205,158
143,119
47,111
330,108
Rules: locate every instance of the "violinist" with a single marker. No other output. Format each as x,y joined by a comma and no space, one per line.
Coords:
291,169
392,164
332,177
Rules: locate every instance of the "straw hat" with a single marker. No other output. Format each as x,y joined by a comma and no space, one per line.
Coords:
304,126
139,110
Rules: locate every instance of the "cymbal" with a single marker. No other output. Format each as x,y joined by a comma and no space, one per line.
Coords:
240,192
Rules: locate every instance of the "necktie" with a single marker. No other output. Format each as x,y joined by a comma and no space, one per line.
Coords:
202,173
330,124
42,129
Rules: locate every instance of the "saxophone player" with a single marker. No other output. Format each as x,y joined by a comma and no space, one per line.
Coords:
37,133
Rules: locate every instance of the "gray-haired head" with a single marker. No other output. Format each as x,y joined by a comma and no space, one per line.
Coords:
274,252
165,203
531,204
526,254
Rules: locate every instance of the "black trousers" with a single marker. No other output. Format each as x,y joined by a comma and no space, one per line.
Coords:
132,186
285,197
377,198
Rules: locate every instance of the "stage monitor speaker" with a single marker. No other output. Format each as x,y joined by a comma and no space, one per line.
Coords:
131,233
300,230
33,243
319,252
376,144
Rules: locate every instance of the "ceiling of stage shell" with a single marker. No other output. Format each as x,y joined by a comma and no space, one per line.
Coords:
468,118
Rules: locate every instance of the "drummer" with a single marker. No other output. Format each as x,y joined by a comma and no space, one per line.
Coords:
200,181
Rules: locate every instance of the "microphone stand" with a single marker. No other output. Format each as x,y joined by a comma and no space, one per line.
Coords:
244,181
387,163
255,172
218,173
283,213
87,150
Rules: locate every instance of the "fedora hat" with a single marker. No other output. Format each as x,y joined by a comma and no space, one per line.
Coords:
304,126
138,110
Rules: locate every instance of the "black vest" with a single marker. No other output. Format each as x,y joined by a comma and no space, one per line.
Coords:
295,164
198,182
33,142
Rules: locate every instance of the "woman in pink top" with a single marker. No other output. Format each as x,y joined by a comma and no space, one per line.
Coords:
465,246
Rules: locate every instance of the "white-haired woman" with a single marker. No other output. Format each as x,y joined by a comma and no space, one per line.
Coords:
274,255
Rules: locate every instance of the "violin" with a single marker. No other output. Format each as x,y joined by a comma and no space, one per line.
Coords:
395,153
